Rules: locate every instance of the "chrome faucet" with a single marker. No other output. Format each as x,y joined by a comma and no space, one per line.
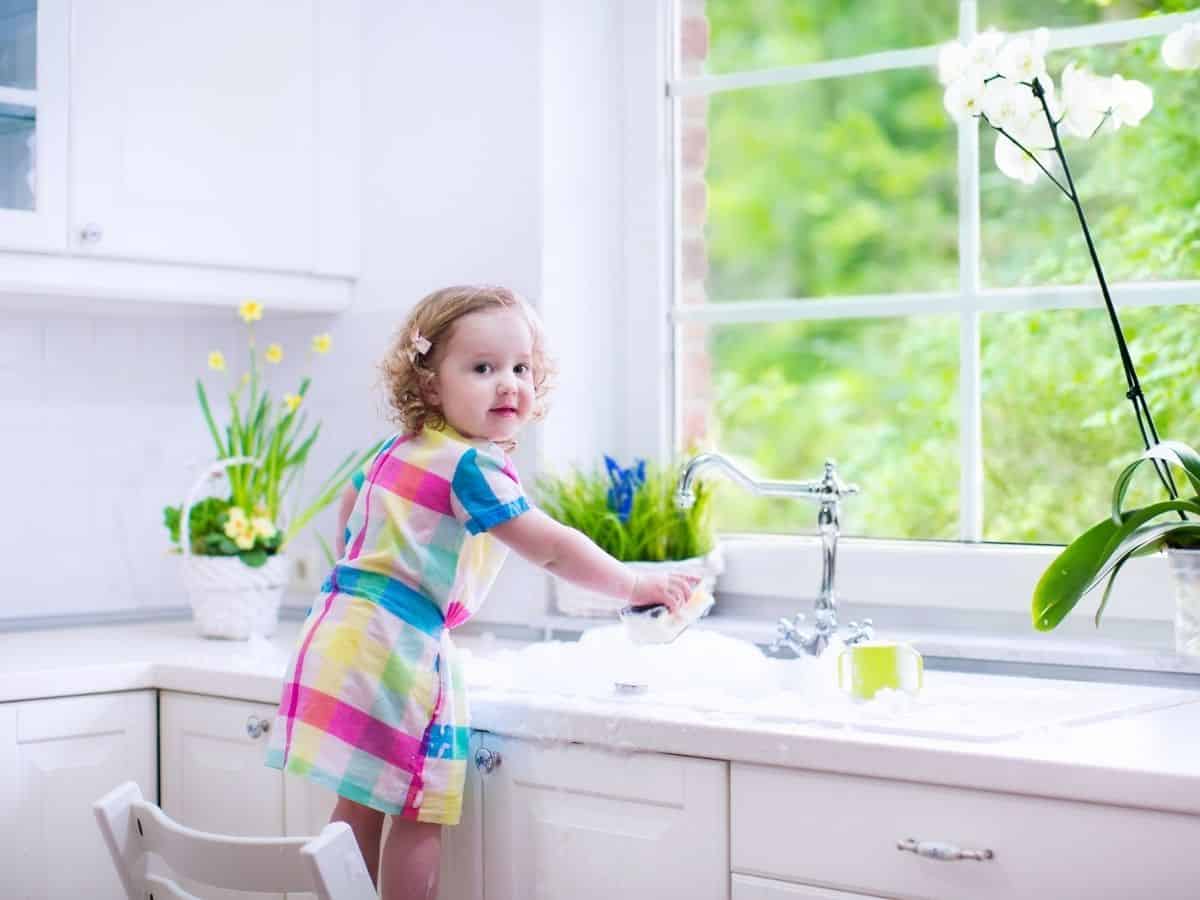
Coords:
827,492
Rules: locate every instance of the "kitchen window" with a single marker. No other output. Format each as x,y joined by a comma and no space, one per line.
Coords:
852,278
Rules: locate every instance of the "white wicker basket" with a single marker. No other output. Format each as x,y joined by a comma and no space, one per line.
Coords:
572,600
230,599
1185,574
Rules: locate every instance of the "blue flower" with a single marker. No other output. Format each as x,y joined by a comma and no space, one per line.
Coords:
625,483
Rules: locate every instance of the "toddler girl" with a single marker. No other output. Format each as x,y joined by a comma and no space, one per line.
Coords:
373,704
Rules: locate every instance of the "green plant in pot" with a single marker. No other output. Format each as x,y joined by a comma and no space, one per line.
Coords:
1101,551
631,514
234,567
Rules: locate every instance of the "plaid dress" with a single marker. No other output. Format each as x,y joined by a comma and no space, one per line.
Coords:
373,703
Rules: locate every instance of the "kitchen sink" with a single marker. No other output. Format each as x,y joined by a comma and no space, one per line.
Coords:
710,673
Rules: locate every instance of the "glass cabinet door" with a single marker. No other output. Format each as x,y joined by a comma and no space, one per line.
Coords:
18,104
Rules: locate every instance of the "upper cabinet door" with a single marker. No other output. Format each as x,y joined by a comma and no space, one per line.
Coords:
33,126
204,132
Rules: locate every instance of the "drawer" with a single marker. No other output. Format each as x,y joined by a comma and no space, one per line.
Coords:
841,831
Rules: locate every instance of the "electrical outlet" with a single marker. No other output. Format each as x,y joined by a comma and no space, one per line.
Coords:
307,571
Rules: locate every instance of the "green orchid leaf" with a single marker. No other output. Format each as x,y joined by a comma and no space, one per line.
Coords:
1175,452
1088,558
1139,539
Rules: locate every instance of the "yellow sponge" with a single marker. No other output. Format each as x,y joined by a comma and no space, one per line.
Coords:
658,625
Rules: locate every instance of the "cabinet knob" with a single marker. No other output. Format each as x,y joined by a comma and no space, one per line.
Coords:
256,727
486,760
943,851
90,233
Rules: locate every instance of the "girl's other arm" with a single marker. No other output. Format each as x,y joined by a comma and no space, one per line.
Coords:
345,507
567,553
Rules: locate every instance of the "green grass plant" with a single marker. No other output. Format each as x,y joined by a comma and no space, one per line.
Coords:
656,530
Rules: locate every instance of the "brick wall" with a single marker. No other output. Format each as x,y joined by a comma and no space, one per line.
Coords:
696,399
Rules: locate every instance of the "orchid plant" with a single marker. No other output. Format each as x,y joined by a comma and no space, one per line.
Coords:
250,522
1003,81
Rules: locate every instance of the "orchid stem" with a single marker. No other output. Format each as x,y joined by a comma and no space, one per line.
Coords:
1141,408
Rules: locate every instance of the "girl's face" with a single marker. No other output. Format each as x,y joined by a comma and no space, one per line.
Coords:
483,380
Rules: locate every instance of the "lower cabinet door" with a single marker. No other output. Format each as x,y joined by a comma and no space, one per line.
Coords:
462,844
747,887
568,821
57,758
213,774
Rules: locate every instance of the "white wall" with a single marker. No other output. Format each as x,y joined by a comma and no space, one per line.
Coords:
491,152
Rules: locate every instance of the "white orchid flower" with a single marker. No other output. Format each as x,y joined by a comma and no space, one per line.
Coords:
1031,127
1015,162
1181,48
983,49
964,97
952,62
1131,100
1086,101
1024,57
1003,103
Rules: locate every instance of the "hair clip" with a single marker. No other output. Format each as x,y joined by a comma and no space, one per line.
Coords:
417,346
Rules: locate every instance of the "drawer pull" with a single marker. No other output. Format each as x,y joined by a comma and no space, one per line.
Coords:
942,850
256,727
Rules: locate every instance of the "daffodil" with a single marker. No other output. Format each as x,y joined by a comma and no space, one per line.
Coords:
274,354
322,343
250,311
263,527
235,522
216,361
292,401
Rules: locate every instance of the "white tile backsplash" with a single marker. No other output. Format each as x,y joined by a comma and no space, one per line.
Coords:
101,429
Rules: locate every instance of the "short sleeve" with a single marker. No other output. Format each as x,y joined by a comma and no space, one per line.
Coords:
485,491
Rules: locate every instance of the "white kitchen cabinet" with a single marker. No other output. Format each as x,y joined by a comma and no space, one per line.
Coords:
33,124
213,775
57,758
844,832
580,822
219,133
747,887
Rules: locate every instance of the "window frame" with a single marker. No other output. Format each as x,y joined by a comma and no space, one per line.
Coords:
761,562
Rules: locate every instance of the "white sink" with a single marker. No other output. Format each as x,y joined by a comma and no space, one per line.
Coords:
706,671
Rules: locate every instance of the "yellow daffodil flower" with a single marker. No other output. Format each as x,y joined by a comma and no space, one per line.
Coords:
250,311
292,401
322,343
262,527
274,354
216,361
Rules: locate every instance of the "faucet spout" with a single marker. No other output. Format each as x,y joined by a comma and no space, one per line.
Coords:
826,491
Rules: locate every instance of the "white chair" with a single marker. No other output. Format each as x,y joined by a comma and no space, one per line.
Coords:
329,865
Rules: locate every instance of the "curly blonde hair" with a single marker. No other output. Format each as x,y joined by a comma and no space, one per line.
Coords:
408,373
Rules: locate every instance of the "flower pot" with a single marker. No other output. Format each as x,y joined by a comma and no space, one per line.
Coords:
572,600
1185,576
229,598
232,600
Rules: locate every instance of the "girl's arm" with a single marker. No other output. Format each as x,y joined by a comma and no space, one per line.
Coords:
567,553
345,507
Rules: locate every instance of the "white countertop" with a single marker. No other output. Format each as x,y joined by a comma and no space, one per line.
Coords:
1142,759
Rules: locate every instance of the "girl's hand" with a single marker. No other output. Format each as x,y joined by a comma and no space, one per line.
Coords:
670,589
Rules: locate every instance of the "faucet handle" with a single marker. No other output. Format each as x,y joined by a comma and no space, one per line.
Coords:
832,484
857,632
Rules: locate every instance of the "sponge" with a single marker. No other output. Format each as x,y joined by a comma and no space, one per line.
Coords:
658,625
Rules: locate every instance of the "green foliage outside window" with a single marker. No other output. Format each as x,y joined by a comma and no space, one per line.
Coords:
848,186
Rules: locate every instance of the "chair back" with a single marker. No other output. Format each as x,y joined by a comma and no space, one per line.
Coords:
136,831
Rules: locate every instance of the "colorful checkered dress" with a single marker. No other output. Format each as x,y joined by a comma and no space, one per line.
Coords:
373,703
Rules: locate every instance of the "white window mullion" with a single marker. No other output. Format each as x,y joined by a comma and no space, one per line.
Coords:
970,400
